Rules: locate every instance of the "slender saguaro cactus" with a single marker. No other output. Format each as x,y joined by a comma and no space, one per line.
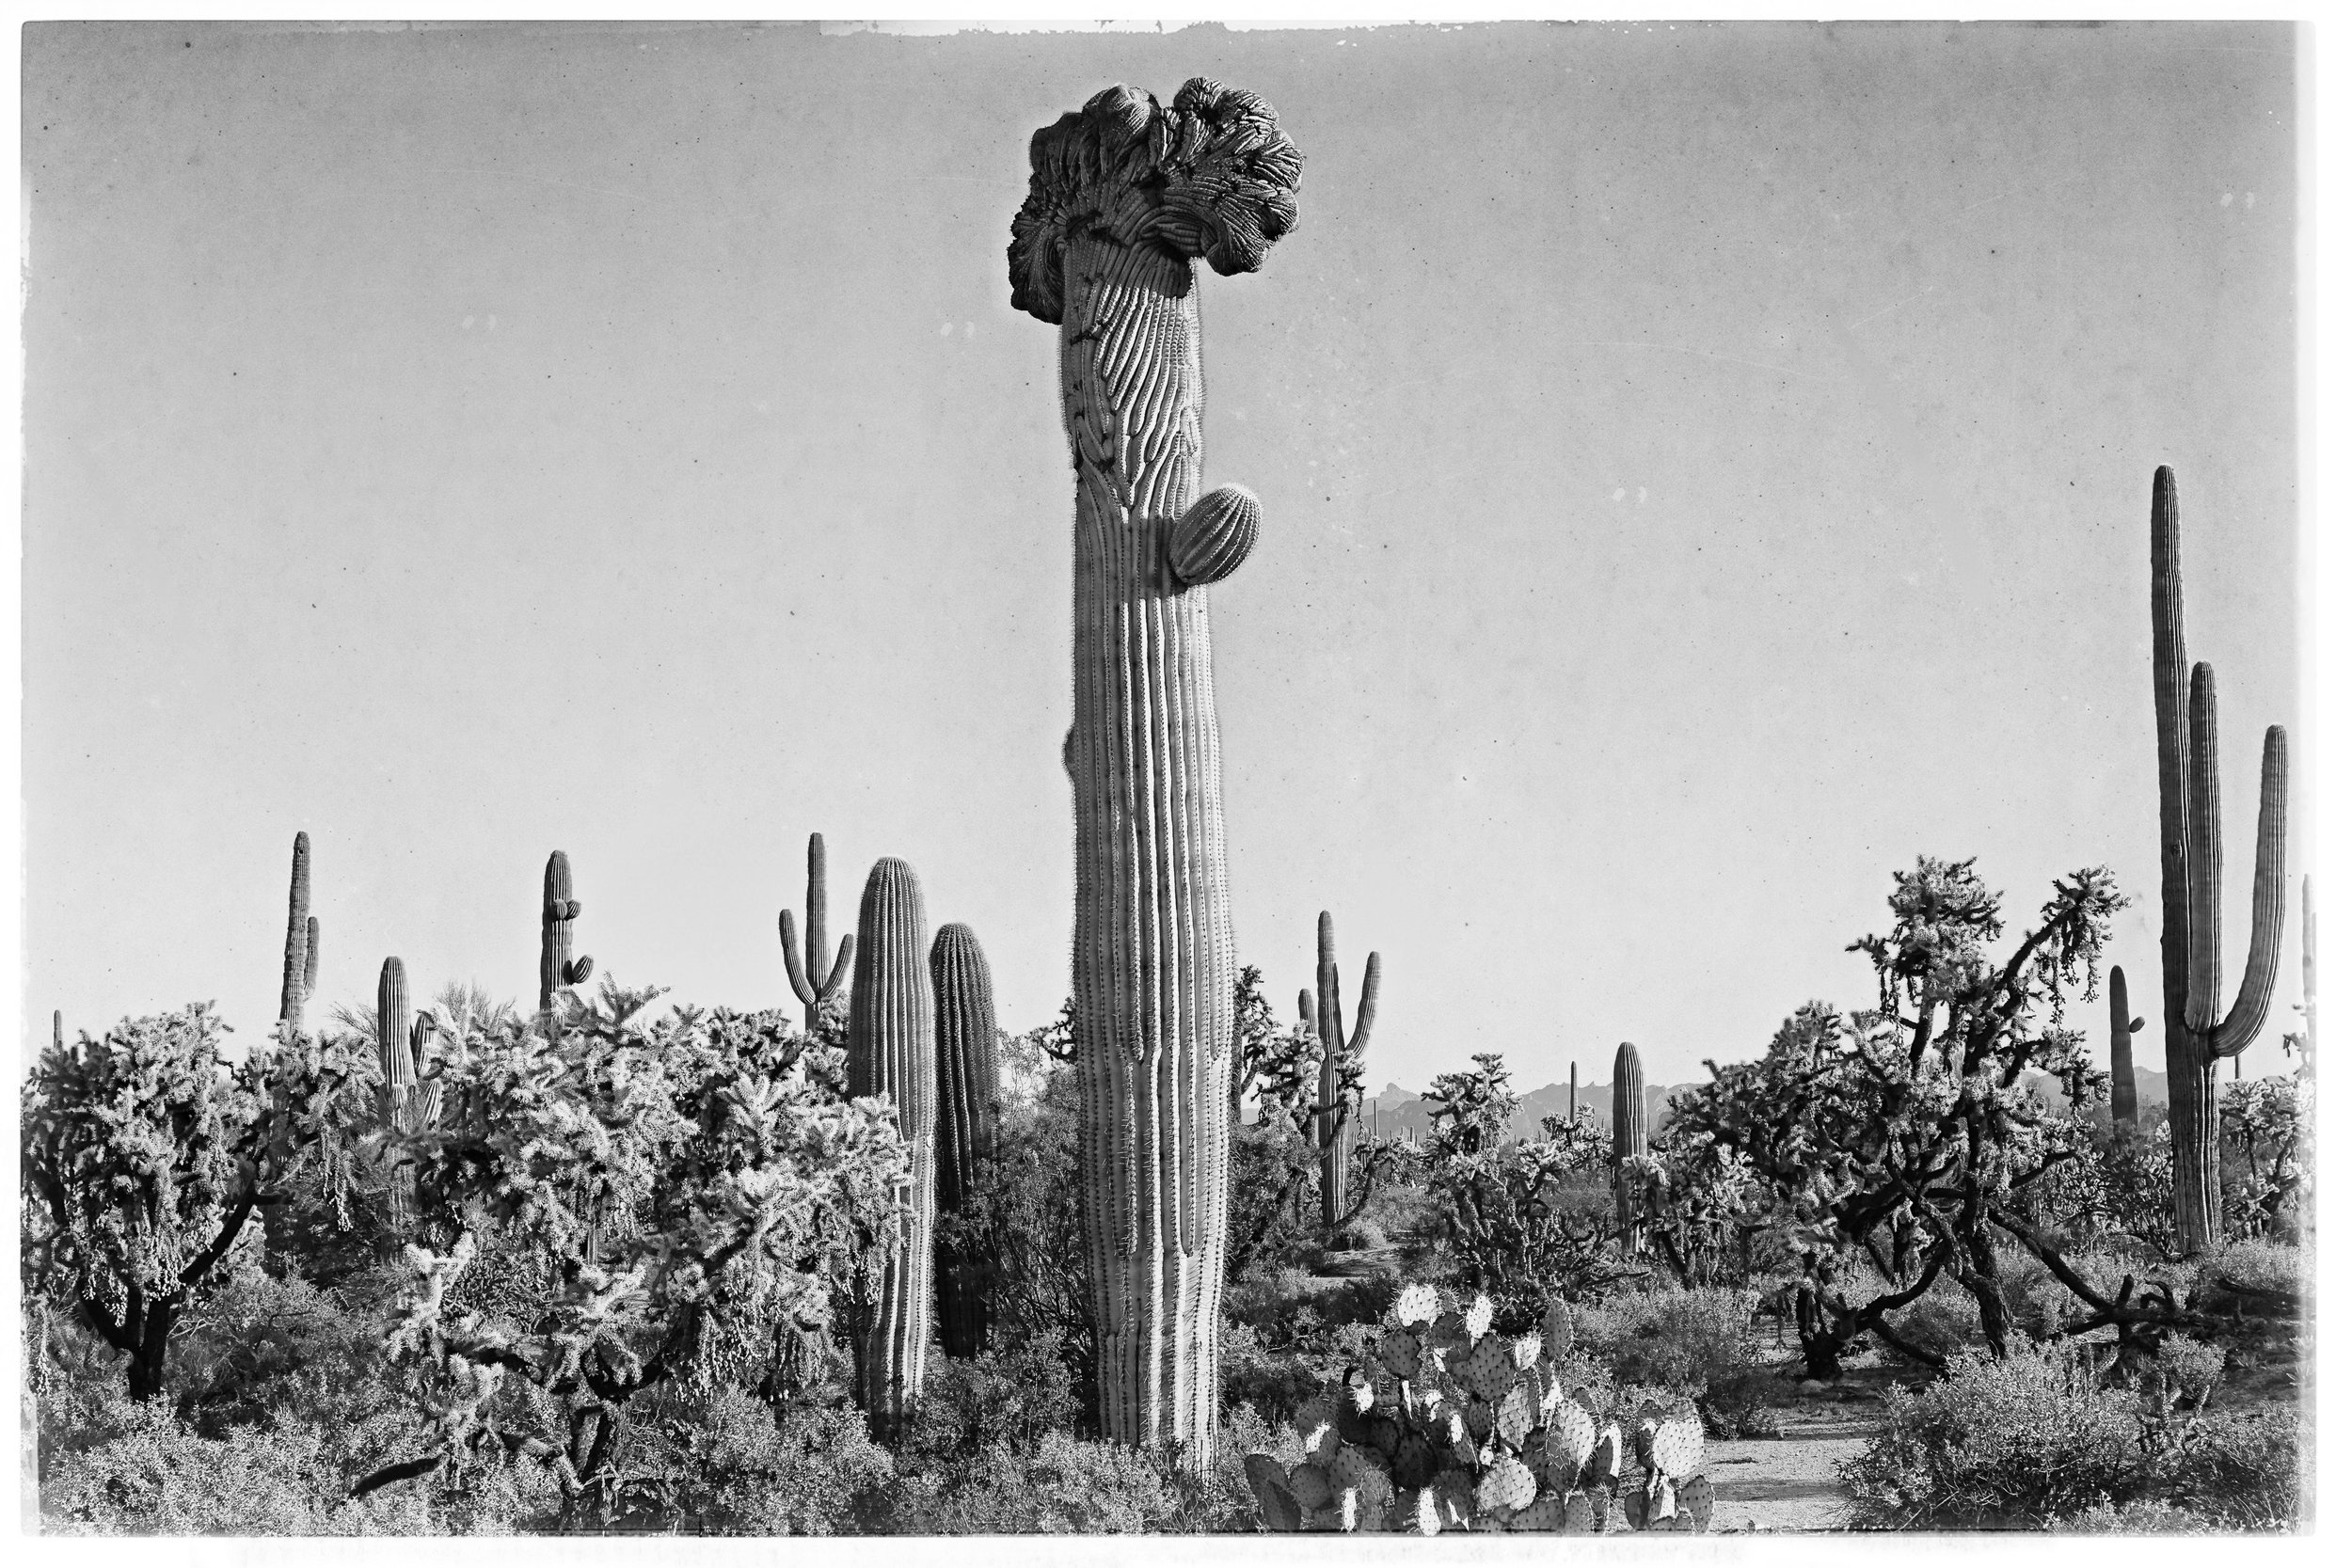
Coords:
814,997
301,941
558,909
2310,1007
891,1043
1571,1094
2195,1033
1334,1125
1629,1137
1123,195
970,1091
2123,1094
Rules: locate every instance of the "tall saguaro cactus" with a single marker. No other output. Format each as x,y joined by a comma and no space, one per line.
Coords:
1123,195
814,997
970,1092
2123,1093
1335,1123
1629,1137
891,1042
2197,1033
558,909
301,941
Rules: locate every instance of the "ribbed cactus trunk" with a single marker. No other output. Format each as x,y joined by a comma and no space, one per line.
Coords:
1629,1139
1122,196
1335,1125
2195,1033
891,1043
558,909
814,994
398,1047
2123,1092
301,941
970,1091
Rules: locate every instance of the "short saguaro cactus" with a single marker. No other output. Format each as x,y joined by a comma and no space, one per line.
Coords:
1455,1426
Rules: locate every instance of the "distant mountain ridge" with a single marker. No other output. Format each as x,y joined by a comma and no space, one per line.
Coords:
1396,1109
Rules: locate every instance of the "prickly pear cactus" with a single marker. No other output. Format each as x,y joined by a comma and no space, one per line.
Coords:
1455,1427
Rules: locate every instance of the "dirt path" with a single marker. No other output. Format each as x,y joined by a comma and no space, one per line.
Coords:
1789,1484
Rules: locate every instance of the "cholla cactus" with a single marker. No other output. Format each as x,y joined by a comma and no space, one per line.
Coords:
1454,1426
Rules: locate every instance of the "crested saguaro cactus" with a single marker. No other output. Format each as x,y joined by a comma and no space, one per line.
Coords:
891,1042
970,1090
1123,195
1629,1138
2123,1094
1341,1051
301,941
2197,1033
814,997
558,909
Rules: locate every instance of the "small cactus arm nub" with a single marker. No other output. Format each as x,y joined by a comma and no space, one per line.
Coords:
302,932
2195,1036
1214,536
891,1046
969,1093
1124,195
814,996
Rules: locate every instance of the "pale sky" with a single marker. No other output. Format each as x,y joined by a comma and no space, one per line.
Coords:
1704,468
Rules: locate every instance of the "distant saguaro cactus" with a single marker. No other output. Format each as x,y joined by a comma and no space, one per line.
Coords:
1341,1051
2123,1094
970,1090
558,909
1629,1138
302,941
1123,195
814,997
408,1104
891,1044
2188,792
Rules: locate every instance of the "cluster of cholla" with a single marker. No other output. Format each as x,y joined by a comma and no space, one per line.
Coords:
1455,1426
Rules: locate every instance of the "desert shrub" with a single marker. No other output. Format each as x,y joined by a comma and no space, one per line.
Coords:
2243,1471
2029,1442
1745,1404
158,1475
1270,1380
1941,1323
1997,1445
2262,1265
1064,1485
1009,1398
1686,1341
735,1464
2139,1518
1361,1234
